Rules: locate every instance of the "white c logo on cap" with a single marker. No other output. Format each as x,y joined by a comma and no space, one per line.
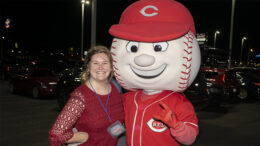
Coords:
149,7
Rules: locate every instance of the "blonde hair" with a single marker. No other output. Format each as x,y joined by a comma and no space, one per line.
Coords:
84,76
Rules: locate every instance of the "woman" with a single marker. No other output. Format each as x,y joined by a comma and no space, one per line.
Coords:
93,107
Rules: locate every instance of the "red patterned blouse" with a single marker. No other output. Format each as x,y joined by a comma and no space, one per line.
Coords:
84,112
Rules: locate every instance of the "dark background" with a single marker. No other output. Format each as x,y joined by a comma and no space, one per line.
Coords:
55,25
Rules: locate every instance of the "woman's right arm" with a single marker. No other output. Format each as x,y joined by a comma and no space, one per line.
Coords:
61,131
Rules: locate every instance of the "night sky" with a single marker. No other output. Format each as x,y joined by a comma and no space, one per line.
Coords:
56,24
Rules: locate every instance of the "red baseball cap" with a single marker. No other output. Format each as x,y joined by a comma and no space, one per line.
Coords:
153,21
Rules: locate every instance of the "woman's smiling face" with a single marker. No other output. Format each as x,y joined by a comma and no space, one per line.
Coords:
99,67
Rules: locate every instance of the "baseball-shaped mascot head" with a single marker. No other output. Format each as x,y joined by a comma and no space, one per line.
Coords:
154,46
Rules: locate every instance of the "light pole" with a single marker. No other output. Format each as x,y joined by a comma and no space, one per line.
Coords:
215,38
242,44
231,33
83,3
93,22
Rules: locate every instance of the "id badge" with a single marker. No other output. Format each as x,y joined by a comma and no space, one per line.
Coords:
116,129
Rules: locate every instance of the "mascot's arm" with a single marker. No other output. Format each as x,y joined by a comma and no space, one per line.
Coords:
184,133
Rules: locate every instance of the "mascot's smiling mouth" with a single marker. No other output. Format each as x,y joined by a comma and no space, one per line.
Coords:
148,74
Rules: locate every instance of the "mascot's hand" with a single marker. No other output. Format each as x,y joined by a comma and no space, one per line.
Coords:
168,117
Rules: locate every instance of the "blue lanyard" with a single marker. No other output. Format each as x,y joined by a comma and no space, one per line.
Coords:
104,107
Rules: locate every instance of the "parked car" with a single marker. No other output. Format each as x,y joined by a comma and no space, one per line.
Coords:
7,67
37,82
214,74
246,82
204,93
68,81
240,83
197,92
218,75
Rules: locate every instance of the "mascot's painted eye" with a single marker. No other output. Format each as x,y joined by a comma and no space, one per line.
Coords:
132,47
161,46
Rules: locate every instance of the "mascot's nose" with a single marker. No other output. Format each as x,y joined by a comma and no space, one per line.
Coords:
144,60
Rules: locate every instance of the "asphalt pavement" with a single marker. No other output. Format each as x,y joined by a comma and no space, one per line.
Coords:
238,126
26,122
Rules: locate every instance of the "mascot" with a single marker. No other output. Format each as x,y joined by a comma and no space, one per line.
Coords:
156,57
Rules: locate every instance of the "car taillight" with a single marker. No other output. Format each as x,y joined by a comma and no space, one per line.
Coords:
257,84
8,68
223,77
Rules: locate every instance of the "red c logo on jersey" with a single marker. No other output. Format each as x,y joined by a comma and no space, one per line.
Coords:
156,126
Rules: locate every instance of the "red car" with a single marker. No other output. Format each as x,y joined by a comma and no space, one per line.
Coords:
240,83
37,82
214,74
219,76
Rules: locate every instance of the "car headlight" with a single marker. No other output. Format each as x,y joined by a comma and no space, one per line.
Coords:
52,83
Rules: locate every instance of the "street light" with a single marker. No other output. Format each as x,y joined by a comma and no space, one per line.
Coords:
83,3
241,53
215,37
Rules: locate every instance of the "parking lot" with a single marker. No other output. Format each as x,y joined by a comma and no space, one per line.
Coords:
239,126
26,121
